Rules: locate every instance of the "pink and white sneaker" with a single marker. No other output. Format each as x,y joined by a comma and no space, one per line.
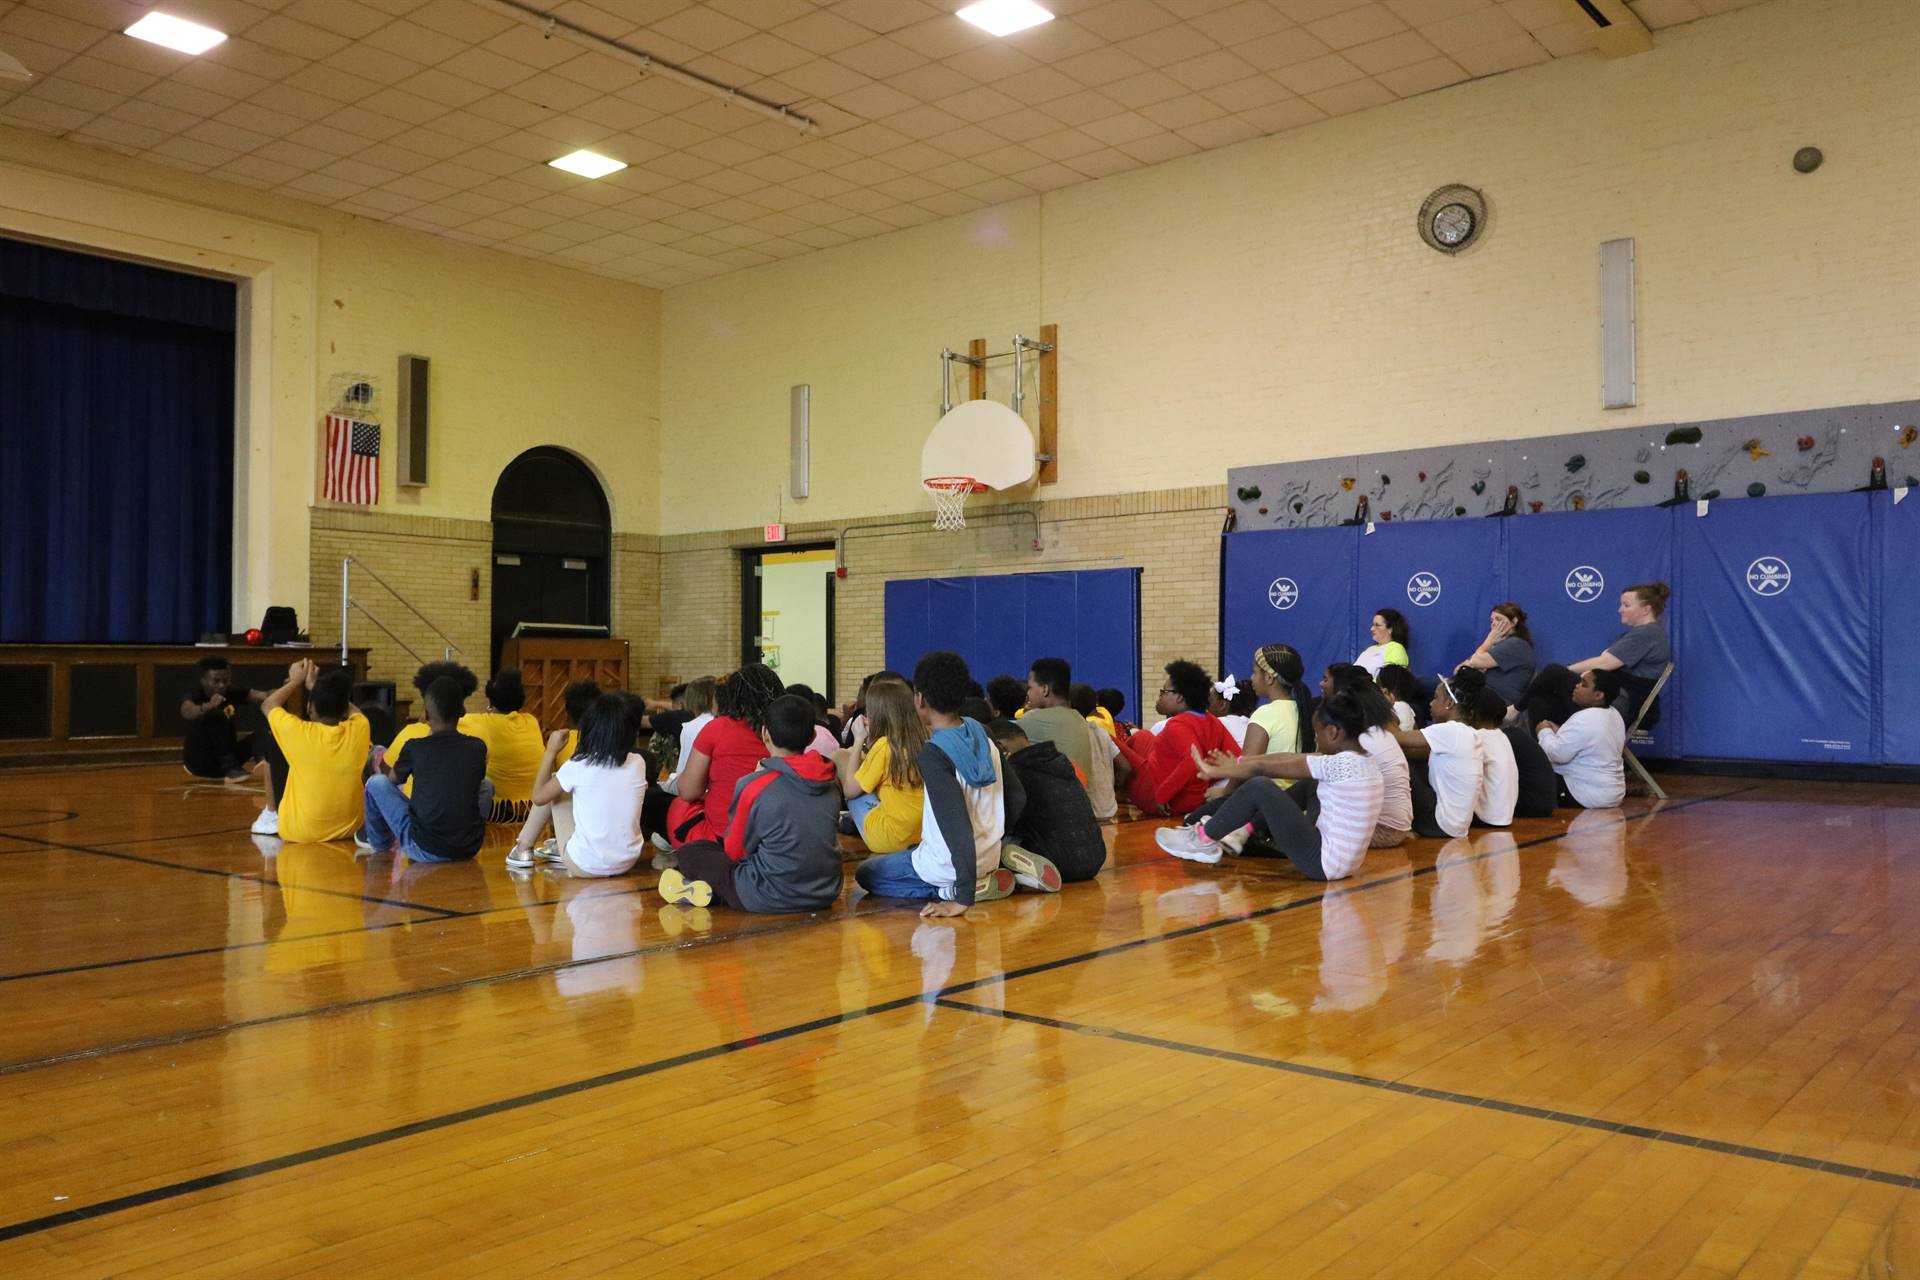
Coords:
1190,843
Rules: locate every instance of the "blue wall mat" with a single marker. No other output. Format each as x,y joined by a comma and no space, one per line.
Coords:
1001,622
1567,572
1443,575
1292,587
1778,630
1898,529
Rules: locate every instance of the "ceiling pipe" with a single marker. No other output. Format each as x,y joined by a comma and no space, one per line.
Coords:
551,26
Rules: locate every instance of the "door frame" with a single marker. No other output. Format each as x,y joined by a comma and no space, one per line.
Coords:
750,601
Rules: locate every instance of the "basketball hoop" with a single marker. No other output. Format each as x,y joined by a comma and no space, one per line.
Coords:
950,494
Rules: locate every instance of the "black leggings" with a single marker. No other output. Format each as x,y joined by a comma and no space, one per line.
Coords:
277,768
1286,815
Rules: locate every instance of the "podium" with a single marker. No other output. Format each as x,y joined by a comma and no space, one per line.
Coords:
548,664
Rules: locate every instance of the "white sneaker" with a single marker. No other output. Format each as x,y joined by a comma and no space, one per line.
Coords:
267,824
547,850
519,859
1190,843
361,842
660,843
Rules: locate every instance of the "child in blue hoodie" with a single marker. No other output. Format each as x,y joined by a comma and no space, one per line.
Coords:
783,844
971,797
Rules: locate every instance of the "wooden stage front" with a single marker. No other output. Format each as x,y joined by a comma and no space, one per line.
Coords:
1673,1041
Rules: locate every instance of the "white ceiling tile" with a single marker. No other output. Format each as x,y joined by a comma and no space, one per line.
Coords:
1502,55
1402,50
1355,95
1119,20
47,117
1422,77
301,39
1317,74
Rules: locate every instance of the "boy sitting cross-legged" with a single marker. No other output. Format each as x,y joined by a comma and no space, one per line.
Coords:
782,850
969,793
441,821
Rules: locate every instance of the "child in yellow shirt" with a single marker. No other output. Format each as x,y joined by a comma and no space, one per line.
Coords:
880,773
514,745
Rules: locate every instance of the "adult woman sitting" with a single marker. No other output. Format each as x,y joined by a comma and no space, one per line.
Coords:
1506,655
1639,655
1389,631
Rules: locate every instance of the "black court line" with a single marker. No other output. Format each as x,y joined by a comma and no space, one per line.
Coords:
224,875
392,997
40,818
445,913
224,1177
173,1190
1296,904
1569,1118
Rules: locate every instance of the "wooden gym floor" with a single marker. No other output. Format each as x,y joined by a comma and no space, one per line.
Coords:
1653,1042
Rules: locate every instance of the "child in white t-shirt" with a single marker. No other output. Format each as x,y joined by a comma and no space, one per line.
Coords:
1323,827
595,797
1586,751
1446,789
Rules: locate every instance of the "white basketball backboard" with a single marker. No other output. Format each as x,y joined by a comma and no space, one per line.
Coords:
982,439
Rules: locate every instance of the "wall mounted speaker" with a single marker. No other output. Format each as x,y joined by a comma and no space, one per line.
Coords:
799,406
410,460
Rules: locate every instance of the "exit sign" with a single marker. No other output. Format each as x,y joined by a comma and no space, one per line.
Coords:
774,532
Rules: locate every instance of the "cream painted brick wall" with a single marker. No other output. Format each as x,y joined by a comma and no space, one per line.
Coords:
429,561
1271,300
1173,536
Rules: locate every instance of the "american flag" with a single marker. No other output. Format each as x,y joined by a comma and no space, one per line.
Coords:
353,461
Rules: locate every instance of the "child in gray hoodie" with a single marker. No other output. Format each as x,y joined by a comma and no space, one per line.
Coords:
783,846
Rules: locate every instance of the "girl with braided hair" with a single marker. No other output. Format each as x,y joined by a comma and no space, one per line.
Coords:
727,750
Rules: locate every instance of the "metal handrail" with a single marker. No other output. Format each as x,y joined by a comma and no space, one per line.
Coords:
389,631
348,604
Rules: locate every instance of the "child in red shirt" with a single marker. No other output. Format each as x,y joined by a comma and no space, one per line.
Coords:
727,750
1165,778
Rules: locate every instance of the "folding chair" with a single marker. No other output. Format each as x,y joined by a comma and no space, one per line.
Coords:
1646,704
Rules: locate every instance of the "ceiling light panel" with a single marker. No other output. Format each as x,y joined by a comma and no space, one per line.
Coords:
1004,17
588,164
175,33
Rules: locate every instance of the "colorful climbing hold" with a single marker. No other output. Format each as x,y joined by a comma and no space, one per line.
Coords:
1423,477
1756,490
1385,479
1805,443
1479,486
1459,511
1263,511
1346,482
1684,435
1908,436
1579,502
1249,492
1710,495
1535,505
1756,450
1576,464
1642,477
1296,508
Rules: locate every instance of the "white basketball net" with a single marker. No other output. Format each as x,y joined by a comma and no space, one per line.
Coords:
950,495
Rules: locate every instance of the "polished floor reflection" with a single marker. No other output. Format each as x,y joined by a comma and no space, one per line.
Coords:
1657,1041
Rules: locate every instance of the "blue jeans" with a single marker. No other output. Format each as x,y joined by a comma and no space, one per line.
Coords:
859,807
891,875
389,818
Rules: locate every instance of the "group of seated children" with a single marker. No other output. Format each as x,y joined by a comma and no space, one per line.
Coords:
1372,779
959,798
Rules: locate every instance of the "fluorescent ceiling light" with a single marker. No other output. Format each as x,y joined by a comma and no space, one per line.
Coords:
175,33
588,164
1004,17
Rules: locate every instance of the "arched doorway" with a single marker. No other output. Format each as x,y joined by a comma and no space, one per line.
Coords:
552,537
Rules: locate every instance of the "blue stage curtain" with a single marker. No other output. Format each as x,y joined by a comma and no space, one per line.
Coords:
116,449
